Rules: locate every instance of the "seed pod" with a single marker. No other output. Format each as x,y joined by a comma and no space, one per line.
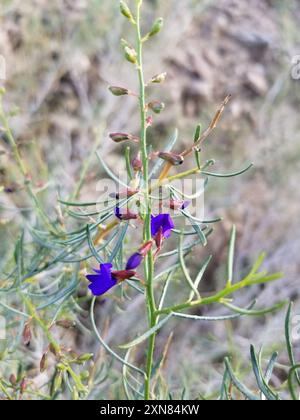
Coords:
118,91
159,78
156,106
126,11
156,28
172,158
120,137
27,336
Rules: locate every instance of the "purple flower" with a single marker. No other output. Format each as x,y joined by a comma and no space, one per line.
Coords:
162,223
105,278
102,281
134,261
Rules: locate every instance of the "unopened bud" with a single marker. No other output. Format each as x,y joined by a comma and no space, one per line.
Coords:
130,55
156,28
156,106
128,215
85,374
144,249
178,204
23,385
13,379
43,362
149,121
124,193
118,91
159,78
53,349
137,163
26,334
85,357
66,323
120,137
57,381
126,11
172,158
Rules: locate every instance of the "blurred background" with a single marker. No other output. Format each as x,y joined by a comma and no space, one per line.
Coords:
62,55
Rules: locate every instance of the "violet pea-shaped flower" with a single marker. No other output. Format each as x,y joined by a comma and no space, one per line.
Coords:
105,279
162,223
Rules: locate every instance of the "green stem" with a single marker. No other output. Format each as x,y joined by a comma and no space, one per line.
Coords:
148,263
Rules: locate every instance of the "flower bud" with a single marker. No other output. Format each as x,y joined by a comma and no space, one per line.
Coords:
23,385
43,362
118,91
124,193
156,28
66,323
156,106
144,249
126,11
137,163
128,215
84,375
85,357
53,350
159,78
130,55
172,158
13,379
26,335
120,137
149,121
178,204
57,382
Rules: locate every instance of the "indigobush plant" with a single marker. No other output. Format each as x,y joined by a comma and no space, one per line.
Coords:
51,263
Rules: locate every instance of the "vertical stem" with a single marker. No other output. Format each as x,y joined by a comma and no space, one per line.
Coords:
148,263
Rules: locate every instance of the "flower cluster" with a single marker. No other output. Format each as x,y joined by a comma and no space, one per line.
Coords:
106,278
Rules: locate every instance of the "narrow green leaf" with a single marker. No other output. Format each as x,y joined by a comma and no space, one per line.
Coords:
106,346
230,260
238,384
147,334
217,175
258,312
263,386
200,275
185,270
289,340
